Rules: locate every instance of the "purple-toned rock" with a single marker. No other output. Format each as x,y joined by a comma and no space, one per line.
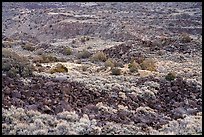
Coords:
47,109
31,107
16,94
7,90
58,109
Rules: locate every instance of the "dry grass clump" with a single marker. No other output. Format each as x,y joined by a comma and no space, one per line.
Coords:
116,71
84,54
185,38
113,63
29,47
110,63
14,64
59,68
99,56
170,76
148,64
134,66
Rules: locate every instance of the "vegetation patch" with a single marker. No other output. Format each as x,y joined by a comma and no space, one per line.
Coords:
115,71
148,64
14,64
109,63
59,68
67,51
185,38
28,47
99,56
134,66
84,54
170,76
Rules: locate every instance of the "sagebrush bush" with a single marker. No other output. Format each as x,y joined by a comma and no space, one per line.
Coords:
170,76
115,71
84,39
59,68
7,44
185,37
49,58
84,54
148,64
109,63
28,46
14,64
67,51
46,58
134,66
84,68
99,56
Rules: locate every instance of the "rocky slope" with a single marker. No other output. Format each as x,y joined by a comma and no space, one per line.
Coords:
71,49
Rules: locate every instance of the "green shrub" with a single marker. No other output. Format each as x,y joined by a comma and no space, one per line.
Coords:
59,68
170,76
148,64
99,56
115,71
14,64
84,54
134,66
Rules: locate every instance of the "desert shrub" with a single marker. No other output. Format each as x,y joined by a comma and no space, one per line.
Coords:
39,51
148,64
14,64
185,38
28,47
115,71
7,44
99,56
139,59
118,64
59,68
170,76
84,54
73,41
84,68
84,39
37,59
134,66
89,47
67,51
46,58
78,61
109,63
